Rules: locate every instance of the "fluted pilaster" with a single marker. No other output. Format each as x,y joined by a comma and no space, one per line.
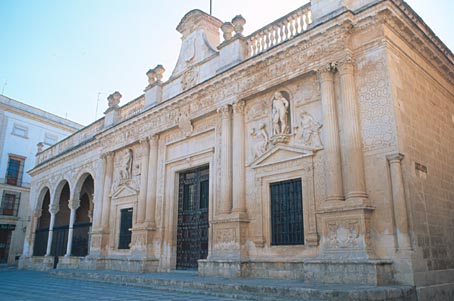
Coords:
226,158
238,149
141,210
152,180
109,158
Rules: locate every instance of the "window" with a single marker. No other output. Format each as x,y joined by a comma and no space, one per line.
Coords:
125,226
20,130
287,213
15,170
50,139
10,203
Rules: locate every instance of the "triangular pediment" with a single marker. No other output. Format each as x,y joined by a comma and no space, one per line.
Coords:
124,191
281,153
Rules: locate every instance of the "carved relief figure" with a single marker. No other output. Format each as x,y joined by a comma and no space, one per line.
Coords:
261,146
280,114
309,130
185,125
126,165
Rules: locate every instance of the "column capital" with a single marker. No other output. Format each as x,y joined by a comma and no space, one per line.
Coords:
345,65
225,111
107,156
53,208
326,72
239,106
153,139
73,204
395,158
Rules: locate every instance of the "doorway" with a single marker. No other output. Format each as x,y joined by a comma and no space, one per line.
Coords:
192,230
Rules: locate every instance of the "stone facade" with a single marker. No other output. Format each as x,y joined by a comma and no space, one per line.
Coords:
351,100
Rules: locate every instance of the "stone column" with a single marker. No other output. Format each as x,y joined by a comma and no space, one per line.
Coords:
238,152
226,159
399,203
152,181
99,185
73,206
53,209
351,143
333,163
109,158
141,208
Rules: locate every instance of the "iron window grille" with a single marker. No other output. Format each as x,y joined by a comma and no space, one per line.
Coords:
125,226
10,203
287,226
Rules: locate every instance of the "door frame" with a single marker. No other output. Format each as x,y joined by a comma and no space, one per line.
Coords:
169,204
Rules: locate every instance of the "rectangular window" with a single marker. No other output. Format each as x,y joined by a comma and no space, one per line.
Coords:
20,130
287,213
50,139
10,203
15,170
125,226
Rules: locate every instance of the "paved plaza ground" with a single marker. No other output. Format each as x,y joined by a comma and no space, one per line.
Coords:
20,285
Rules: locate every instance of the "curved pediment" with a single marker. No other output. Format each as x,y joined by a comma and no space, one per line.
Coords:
281,153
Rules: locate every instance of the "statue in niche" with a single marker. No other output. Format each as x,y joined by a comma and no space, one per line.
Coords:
126,166
280,114
309,131
261,146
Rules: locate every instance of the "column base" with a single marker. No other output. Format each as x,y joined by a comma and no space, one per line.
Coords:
229,237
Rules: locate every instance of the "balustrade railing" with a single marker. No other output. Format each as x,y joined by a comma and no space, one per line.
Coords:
279,31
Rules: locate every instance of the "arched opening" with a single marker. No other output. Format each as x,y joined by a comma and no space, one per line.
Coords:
42,227
61,225
82,224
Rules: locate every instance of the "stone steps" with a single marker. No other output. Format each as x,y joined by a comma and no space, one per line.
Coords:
243,289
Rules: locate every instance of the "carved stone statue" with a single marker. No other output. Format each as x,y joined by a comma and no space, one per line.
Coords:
126,165
280,114
309,131
261,146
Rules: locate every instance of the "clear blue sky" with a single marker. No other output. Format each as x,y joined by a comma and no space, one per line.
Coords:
58,55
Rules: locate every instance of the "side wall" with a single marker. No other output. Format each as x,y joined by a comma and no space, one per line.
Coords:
424,108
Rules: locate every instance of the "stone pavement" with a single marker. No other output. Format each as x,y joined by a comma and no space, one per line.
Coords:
115,285
33,285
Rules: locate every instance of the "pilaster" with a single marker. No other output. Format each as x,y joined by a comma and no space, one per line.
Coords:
226,159
152,181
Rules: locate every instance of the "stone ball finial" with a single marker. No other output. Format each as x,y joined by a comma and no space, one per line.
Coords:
159,71
238,23
114,99
227,30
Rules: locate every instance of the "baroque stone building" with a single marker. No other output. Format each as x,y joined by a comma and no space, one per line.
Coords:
319,147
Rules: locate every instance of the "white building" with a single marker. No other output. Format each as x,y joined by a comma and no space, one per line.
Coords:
22,128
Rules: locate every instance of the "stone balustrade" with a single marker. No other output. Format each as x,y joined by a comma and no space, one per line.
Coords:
279,31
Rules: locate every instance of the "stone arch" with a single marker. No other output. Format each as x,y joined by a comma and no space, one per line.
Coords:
83,195
42,222
61,224
81,178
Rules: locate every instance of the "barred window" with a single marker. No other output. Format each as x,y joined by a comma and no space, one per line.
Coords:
287,226
125,226
10,203
15,170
